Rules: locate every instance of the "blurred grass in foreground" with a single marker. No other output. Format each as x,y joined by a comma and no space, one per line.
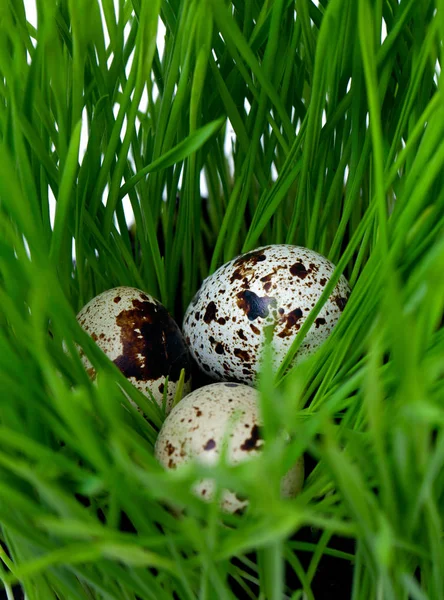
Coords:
338,146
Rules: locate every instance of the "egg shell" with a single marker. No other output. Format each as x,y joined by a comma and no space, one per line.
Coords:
138,334
276,286
200,425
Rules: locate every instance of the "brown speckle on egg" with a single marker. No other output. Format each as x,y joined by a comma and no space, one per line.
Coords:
340,302
210,313
299,270
242,354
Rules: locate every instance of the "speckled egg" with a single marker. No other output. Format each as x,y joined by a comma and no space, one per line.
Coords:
138,334
200,424
277,286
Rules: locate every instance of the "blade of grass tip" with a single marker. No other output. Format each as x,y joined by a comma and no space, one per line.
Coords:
179,390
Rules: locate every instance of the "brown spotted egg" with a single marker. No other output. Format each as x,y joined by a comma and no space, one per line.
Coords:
200,425
277,286
138,334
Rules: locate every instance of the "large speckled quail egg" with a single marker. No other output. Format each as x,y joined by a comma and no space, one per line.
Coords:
201,423
277,286
138,334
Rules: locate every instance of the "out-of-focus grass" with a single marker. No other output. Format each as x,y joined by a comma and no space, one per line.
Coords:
337,146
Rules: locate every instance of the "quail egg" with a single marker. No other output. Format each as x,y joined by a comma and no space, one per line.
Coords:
276,286
201,423
140,337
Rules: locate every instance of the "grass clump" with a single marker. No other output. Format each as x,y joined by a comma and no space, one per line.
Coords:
336,116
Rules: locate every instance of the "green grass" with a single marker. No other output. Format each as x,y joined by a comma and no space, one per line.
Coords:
338,146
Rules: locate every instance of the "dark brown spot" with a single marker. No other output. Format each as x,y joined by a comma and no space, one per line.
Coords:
242,354
101,336
210,445
290,321
236,276
211,339
267,281
299,270
254,306
255,329
171,464
323,281
170,448
241,334
314,267
319,321
117,299
161,388
197,315
221,321
210,313
252,442
152,343
340,302
94,336
198,411
250,258
293,317
219,349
